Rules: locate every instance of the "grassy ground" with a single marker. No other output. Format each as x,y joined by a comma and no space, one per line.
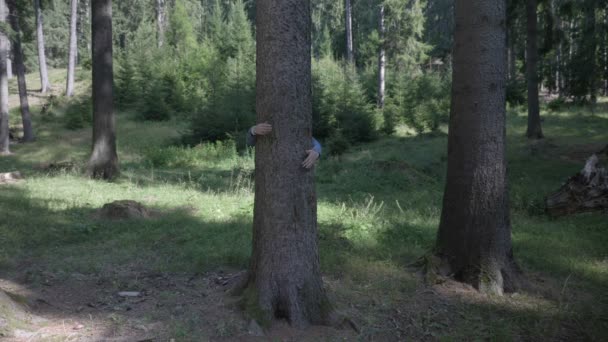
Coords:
379,207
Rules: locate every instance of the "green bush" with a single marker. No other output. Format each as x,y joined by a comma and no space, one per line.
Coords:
79,113
423,101
517,92
557,104
341,109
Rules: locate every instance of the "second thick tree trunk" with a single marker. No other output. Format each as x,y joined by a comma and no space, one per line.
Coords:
534,127
44,76
284,279
104,161
69,91
4,132
474,238
26,118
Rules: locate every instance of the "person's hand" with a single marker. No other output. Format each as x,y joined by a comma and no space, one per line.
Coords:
261,129
310,159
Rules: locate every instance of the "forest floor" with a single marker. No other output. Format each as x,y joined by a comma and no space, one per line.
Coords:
64,268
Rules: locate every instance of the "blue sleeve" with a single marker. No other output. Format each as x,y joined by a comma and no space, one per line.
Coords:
316,146
250,138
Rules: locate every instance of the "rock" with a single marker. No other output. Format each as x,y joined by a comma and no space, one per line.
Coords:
124,210
10,177
255,329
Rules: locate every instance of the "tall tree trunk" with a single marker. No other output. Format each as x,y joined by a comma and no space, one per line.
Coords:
104,160
348,17
605,50
474,238
9,63
26,118
381,58
284,279
4,132
69,91
534,127
558,52
44,76
160,22
589,46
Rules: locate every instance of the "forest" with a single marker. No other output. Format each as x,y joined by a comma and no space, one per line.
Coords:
303,170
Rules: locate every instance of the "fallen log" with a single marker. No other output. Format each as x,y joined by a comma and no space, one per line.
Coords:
585,191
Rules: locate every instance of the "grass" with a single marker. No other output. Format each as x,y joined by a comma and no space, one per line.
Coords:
379,207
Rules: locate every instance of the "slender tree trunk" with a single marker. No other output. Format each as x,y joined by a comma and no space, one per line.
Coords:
26,118
381,58
348,17
44,76
534,127
69,91
9,63
558,52
104,160
589,46
605,50
160,22
474,238
4,132
284,279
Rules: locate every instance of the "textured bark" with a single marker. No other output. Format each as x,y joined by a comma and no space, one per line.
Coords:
69,89
104,160
4,132
26,118
583,192
474,238
348,18
44,76
381,58
534,127
160,22
284,279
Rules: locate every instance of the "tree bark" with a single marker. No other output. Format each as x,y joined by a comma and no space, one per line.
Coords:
104,160
44,76
284,279
381,58
348,17
474,238
26,117
69,91
4,131
160,22
534,126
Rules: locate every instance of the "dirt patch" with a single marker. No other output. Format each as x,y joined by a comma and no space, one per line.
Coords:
124,210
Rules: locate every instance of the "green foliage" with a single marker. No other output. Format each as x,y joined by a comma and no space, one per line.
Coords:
517,91
423,102
79,113
340,108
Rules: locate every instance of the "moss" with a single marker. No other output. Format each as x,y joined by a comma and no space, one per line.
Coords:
250,304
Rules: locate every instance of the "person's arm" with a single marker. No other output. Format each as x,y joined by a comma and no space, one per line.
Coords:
316,146
250,137
312,154
259,129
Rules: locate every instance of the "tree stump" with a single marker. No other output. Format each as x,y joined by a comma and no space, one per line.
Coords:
586,191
